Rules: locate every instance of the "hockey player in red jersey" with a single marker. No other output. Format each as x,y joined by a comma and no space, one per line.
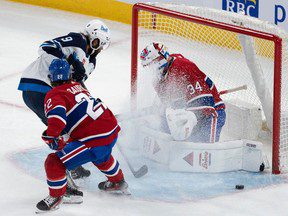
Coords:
93,132
182,86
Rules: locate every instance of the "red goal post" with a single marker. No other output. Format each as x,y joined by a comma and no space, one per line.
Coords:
153,13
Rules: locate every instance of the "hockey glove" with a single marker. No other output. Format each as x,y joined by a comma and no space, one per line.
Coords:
78,68
54,143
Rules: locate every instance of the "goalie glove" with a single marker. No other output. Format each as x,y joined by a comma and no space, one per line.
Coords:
54,143
181,123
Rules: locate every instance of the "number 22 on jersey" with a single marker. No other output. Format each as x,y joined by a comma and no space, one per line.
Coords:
94,111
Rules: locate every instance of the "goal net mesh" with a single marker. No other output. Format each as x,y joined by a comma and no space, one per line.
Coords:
219,54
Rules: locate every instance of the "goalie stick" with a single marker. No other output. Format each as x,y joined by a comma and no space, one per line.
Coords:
149,110
137,173
244,87
83,85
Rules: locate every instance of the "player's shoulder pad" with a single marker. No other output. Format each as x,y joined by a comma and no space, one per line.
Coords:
79,40
177,62
51,93
181,66
176,55
54,98
58,91
181,61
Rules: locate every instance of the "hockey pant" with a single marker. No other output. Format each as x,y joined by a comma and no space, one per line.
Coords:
35,102
208,129
75,154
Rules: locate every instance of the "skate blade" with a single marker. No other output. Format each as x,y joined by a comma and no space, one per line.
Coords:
126,192
73,200
38,211
118,192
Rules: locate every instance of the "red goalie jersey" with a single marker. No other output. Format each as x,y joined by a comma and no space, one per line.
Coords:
185,84
71,108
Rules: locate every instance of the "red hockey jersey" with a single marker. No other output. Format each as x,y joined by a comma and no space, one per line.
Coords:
71,108
186,84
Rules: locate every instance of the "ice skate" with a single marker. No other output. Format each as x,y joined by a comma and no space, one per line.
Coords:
80,172
72,196
119,187
48,204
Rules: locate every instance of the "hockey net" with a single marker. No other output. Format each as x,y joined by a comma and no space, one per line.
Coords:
210,38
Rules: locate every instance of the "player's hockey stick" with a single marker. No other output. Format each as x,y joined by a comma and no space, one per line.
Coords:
70,180
83,85
137,173
244,87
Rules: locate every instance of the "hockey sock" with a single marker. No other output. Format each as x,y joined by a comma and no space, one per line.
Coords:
111,169
56,176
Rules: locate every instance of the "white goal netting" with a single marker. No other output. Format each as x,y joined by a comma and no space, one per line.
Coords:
220,55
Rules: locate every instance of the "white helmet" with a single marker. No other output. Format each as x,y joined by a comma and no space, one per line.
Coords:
155,55
96,29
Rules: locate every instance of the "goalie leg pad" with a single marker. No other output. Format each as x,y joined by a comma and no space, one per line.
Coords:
221,119
252,155
205,130
208,129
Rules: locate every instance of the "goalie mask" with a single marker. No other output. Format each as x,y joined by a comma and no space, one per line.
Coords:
98,34
155,56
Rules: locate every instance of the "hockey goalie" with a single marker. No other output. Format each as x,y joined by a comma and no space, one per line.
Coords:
191,116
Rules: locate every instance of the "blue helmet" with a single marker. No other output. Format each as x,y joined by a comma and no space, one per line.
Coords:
59,70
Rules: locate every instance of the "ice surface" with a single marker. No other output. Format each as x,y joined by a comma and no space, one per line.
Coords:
160,192
159,184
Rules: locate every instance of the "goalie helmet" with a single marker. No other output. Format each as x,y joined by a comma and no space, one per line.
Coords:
59,70
155,55
97,30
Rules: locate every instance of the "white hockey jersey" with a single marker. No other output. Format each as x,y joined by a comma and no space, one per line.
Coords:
35,76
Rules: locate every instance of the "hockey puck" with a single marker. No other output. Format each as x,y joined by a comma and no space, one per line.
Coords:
239,187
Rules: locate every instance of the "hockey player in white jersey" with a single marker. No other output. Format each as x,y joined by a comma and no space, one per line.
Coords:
80,50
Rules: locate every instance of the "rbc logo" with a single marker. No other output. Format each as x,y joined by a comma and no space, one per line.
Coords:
251,7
